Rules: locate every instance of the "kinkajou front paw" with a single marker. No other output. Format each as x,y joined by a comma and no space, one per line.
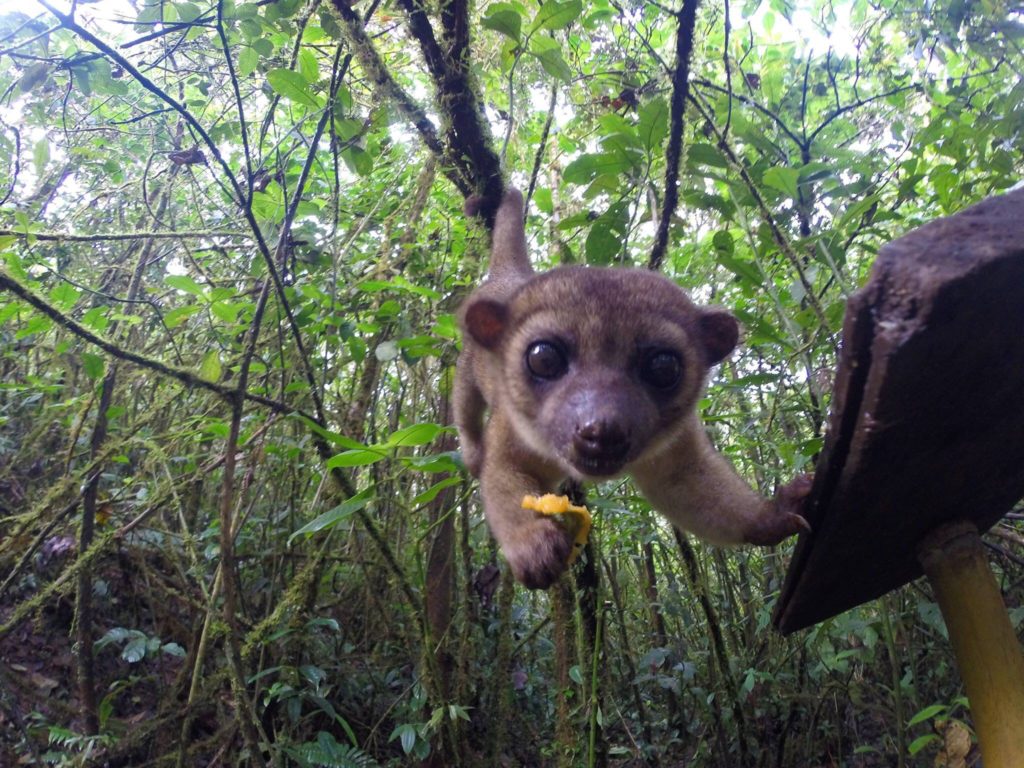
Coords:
540,553
785,514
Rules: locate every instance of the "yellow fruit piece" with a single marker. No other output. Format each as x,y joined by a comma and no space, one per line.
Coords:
577,518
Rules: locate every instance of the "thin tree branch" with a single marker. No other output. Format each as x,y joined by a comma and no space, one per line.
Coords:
186,377
687,19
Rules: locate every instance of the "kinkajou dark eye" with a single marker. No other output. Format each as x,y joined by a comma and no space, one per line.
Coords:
662,370
546,360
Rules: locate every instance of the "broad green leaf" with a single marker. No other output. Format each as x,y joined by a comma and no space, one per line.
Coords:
179,315
292,86
210,368
431,493
653,124
358,160
187,11
337,515
707,154
741,267
263,46
549,52
555,15
783,179
309,68
724,243
355,458
226,311
927,714
248,60
542,199
41,155
135,649
406,733
504,18
64,296
37,324
8,311
417,434
603,242
586,168
921,742
35,75
92,365
186,284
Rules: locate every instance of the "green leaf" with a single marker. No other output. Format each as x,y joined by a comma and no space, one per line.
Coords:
555,15
927,714
706,154
92,365
210,368
8,311
226,311
543,200
292,86
431,493
179,315
783,179
337,515
549,53
309,68
41,155
35,75
264,46
135,650
586,168
248,60
921,742
38,324
417,434
358,160
64,296
653,124
603,243
355,458
407,734
724,243
576,675
504,18
186,284
746,270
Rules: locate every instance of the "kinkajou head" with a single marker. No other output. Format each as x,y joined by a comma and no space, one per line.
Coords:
598,367
592,373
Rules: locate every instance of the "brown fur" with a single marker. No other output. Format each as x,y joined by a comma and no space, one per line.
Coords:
601,416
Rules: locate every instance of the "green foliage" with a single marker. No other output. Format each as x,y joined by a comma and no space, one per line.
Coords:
814,134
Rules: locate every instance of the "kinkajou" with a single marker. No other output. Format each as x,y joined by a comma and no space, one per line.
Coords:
594,373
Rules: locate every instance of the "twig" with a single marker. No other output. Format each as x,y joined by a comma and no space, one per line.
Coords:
541,148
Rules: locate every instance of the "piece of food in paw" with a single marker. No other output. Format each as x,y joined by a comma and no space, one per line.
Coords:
575,518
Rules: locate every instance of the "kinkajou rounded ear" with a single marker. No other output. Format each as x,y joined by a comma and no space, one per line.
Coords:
485,319
719,334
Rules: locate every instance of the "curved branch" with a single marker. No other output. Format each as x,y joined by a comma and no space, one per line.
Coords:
687,18
71,237
373,65
180,374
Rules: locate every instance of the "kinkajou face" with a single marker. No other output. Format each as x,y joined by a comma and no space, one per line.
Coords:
599,366
593,373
